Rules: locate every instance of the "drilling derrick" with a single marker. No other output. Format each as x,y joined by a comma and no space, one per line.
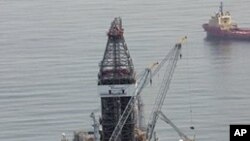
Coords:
116,81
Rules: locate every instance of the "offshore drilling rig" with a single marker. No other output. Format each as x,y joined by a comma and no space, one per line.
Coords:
122,114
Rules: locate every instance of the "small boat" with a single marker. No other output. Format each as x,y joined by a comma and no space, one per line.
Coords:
221,26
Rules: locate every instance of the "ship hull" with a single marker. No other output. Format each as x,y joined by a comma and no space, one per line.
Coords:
236,33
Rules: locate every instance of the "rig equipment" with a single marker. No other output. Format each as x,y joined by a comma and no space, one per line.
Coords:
122,116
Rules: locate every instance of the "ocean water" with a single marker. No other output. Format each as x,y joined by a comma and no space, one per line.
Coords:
50,50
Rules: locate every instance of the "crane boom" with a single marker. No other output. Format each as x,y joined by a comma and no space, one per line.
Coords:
167,120
142,82
96,127
174,56
166,58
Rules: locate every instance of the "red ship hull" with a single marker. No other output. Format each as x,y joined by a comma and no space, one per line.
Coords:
236,33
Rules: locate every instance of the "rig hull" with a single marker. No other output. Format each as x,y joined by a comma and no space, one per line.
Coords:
234,33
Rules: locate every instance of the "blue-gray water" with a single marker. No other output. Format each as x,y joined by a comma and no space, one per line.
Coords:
50,50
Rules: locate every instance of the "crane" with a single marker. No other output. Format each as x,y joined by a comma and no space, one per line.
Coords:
163,89
168,121
143,81
145,78
96,127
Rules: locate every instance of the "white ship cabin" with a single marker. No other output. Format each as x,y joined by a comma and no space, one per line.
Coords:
222,20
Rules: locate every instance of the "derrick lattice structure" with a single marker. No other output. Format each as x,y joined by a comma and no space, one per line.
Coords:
116,76
116,66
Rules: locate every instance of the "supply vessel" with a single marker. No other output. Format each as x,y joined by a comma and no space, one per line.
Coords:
220,26
120,88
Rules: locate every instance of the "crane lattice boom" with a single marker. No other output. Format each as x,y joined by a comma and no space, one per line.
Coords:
163,89
168,121
143,81
172,57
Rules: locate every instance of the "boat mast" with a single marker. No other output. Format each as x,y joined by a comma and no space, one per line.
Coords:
221,8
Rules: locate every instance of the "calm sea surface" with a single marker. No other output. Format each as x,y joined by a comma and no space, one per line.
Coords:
50,50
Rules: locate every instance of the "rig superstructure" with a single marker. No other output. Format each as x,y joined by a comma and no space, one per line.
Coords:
122,114
116,78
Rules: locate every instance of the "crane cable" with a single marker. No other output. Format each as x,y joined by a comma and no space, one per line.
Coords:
190,94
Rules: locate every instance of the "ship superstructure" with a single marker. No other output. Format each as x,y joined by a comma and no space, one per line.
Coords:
222,20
